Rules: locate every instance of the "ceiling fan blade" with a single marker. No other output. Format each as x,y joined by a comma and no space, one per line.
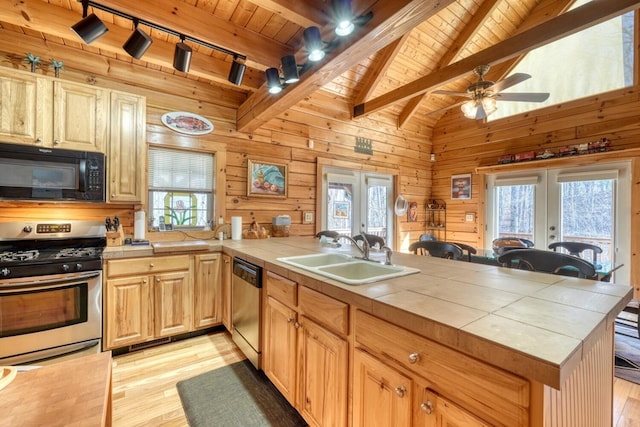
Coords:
512,80
450,93
443,109
523,96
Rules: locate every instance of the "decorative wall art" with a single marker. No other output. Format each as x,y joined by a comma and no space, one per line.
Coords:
461,186
188,123
266,179
412,213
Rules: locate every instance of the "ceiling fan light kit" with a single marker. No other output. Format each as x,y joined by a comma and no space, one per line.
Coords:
485,93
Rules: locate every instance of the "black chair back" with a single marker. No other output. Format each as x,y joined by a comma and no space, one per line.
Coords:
577,249
436,248
548,262
327,233
372,239
470,250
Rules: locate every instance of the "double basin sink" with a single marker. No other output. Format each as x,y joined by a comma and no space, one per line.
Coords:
347,269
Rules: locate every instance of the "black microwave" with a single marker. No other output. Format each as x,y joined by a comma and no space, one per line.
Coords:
55,174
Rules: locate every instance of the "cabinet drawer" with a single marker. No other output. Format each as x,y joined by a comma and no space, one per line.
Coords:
282,289
326,310
148,265
490,392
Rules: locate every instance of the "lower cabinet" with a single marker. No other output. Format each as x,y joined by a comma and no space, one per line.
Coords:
226,291
155,297
305,355
399,375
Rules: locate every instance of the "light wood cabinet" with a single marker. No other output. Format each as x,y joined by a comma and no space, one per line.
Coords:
305,353
43,111
126,153
449,388
146,298
226,291
207,305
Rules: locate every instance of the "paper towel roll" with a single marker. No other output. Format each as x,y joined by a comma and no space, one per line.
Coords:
236,228
139,225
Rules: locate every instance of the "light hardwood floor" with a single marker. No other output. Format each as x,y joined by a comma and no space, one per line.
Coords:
144,382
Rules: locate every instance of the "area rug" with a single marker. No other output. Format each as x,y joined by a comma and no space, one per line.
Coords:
627,361
235,395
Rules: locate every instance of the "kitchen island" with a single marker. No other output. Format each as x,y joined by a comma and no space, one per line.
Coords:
555,332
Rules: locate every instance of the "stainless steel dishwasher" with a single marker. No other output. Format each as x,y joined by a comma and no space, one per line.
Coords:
246,295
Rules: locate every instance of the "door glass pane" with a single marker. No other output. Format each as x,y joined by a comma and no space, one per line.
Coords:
377,211
515,209
340,207
587,215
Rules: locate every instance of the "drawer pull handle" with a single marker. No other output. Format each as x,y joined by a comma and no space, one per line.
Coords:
427,407
400,391
413,358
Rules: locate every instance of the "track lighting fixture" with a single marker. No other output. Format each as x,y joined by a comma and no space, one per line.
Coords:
138,42
273,80
290,69
182,56
343,17
90,28
314,43
237,71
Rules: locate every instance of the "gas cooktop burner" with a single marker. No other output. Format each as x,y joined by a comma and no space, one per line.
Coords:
19,256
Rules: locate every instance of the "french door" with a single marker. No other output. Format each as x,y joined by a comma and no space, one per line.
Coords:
356,201
587,204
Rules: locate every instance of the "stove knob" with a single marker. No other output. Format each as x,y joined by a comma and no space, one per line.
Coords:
27,229
65,267
5,272
78,267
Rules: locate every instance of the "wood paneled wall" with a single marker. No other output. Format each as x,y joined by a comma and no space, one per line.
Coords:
462,145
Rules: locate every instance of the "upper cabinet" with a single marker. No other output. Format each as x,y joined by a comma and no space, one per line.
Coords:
40,110
126,153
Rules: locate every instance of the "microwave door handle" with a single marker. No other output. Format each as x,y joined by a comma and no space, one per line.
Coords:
82,175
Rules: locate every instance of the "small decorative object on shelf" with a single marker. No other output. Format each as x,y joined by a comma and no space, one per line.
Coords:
599,146
33,61
57,66
436,219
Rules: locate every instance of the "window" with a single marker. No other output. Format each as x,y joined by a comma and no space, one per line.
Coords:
596,60
587,204
181,189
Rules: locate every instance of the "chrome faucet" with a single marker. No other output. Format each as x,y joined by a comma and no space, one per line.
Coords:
364,250
388,252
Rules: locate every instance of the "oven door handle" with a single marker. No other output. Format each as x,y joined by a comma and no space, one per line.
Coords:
54,283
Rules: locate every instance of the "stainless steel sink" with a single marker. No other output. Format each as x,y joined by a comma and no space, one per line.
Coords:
347,269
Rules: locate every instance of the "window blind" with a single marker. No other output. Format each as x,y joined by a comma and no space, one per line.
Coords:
175,170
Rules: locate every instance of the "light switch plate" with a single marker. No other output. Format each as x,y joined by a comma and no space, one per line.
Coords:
469,217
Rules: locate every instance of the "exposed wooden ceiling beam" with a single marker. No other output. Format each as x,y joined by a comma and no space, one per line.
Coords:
190,20
303,13
390,20
571,22
470,30
43,17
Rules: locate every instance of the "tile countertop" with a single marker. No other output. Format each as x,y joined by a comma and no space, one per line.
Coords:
535,325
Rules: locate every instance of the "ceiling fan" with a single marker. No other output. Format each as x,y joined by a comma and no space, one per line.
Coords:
485,93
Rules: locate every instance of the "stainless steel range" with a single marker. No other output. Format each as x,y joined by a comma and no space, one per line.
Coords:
50,289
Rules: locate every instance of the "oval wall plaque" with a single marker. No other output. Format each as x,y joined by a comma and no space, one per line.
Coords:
189,123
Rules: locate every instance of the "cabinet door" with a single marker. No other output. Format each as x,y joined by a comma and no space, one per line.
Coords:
79,116
226,291
25,115
436,411
206,291
323,378
279,353
172,309
381,395
127,154
127,311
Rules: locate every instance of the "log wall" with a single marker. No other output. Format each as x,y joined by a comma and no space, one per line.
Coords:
466,146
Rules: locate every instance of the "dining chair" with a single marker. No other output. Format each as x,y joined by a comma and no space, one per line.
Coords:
470,250
437,248
578,249
548,262
327,233
372,239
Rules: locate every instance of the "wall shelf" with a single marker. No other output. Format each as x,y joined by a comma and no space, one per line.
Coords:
436,218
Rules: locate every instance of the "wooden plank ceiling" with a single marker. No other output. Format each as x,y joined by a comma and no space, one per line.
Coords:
390,64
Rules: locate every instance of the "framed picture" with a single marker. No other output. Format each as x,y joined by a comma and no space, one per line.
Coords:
341,210
461,186
266,179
